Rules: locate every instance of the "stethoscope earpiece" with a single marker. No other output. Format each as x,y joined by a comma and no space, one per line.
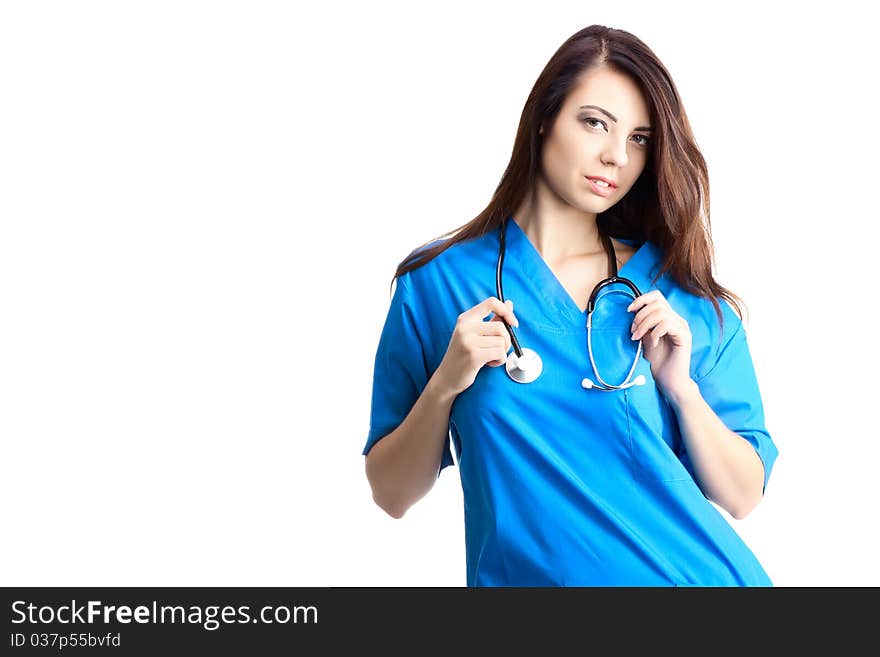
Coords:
525,365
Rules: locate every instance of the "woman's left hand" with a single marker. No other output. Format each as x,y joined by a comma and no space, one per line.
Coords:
666,342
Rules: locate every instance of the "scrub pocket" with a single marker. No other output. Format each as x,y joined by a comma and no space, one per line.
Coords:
654,435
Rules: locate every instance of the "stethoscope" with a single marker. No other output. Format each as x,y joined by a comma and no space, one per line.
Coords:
525,365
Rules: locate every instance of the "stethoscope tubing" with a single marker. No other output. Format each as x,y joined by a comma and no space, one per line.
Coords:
499,288
602,385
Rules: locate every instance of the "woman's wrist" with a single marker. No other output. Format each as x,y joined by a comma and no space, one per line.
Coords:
683,394
439,389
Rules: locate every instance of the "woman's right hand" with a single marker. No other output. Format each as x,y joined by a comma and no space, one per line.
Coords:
475,343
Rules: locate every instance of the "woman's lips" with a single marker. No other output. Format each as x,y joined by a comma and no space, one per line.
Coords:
598,189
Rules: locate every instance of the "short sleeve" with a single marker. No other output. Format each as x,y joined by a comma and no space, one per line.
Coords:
400,371
730,388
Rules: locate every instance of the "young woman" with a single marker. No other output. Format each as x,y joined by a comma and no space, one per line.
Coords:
589,454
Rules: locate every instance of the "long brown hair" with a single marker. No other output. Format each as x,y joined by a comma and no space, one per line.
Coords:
668,204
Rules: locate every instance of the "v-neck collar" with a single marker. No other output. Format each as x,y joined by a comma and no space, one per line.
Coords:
640,269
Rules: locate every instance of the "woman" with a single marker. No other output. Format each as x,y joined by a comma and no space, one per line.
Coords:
566,483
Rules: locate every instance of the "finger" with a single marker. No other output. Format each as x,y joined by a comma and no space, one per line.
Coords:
674,328
647,322
500,356
638,302
501,319
493,328
493,342
650,307
658,332
646,298
498,347
491,305
643,312
509,305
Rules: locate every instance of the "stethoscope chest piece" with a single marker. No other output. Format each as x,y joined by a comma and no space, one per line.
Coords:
525,368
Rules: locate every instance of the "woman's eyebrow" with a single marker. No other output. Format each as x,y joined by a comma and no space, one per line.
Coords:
647,128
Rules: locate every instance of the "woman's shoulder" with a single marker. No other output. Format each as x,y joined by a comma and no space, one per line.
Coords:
458,257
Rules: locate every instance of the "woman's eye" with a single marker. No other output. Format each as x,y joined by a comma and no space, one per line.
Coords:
590,120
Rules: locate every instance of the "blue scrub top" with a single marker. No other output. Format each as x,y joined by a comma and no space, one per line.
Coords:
565,486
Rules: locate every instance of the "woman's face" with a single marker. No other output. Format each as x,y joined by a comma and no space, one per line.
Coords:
585,141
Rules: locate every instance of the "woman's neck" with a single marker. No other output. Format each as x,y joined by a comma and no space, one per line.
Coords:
559,232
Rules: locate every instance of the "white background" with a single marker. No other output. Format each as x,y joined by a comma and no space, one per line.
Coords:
202,207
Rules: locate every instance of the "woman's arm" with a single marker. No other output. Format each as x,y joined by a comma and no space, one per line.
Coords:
403,466
728,469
